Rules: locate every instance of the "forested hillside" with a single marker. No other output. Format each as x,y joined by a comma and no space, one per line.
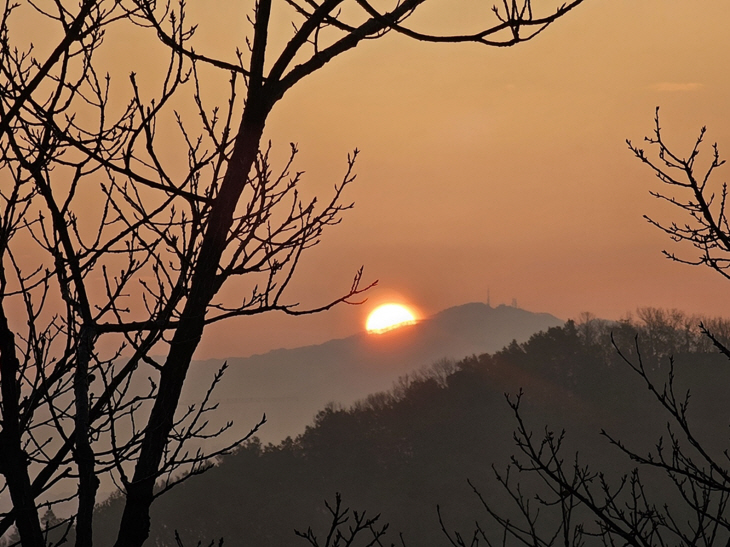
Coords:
402,452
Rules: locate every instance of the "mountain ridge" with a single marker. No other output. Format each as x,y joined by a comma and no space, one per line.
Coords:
291,385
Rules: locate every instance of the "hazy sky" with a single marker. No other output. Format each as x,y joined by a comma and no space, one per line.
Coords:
504,169
492,169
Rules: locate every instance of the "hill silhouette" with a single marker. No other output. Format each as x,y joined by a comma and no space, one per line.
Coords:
292,385
401,452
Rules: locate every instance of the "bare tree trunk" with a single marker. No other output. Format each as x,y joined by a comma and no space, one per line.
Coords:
13,460
83,453
135,524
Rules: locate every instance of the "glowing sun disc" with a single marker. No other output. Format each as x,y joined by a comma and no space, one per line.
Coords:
388,317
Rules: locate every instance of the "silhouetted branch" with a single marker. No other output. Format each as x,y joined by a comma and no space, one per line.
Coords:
346,527
707,227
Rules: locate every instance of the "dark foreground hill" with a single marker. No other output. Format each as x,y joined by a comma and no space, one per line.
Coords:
291,385
402,452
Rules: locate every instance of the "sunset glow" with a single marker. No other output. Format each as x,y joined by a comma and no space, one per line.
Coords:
388,317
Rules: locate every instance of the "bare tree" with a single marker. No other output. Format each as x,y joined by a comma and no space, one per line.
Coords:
574,505
571,504
107,243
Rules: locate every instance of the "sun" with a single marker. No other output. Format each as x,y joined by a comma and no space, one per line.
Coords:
388,317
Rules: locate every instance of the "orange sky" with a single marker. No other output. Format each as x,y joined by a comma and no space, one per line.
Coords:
505,169
492,169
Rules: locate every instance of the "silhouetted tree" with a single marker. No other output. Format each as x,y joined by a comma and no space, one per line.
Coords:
578,505
107,241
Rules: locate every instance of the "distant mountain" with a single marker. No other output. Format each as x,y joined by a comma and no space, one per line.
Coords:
292,385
